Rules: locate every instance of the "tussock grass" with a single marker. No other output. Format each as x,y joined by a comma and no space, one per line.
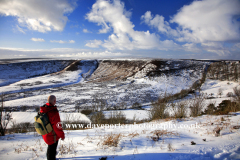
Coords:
112,140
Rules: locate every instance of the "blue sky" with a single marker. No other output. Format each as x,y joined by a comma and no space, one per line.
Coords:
204,29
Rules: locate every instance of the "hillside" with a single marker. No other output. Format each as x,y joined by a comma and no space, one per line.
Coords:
113,81
14,72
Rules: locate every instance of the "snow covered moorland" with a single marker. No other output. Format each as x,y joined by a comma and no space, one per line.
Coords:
149,109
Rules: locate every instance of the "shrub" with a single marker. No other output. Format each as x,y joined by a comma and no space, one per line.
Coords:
23,108
116,118
158,110
5,117
227,106
136,105
112,140
196,105
22,127
98,118
180,110
211,109
236,91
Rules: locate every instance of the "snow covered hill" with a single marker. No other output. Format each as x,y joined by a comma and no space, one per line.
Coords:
114,81
14,72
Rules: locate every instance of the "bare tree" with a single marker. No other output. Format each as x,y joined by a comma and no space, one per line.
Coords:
197,105
179,109
158,110
5,118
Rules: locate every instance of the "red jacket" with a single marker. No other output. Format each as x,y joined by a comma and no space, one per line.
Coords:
55,121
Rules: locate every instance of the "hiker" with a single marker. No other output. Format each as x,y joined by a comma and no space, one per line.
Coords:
52,138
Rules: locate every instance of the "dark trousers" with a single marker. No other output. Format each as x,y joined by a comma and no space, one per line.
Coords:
51,151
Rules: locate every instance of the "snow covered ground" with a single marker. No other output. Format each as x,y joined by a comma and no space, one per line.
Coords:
138,141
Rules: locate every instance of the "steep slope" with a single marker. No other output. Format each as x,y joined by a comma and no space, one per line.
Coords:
120,70
13,72
109,70
74,73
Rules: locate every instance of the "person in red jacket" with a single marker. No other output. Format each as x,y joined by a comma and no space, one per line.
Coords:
52,138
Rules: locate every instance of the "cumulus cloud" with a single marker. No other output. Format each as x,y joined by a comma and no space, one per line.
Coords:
159,23
37,39
38,15
94,43
207,23
61,41
209,20
201,21
112,16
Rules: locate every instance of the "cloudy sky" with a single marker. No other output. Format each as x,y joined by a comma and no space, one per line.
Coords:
202,29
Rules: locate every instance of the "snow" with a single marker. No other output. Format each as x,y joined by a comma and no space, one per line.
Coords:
14,72
135,140
213,86
51,80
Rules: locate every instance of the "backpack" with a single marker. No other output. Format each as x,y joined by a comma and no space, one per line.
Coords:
42,124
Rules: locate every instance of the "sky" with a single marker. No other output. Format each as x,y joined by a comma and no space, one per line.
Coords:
175,29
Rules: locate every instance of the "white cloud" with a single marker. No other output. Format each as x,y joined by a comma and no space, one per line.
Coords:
20,29
208,23
209,20
71,41
38,15
112,16
86,31
201,21
37,39
216,47
159,23
94,43
191,47
61,41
